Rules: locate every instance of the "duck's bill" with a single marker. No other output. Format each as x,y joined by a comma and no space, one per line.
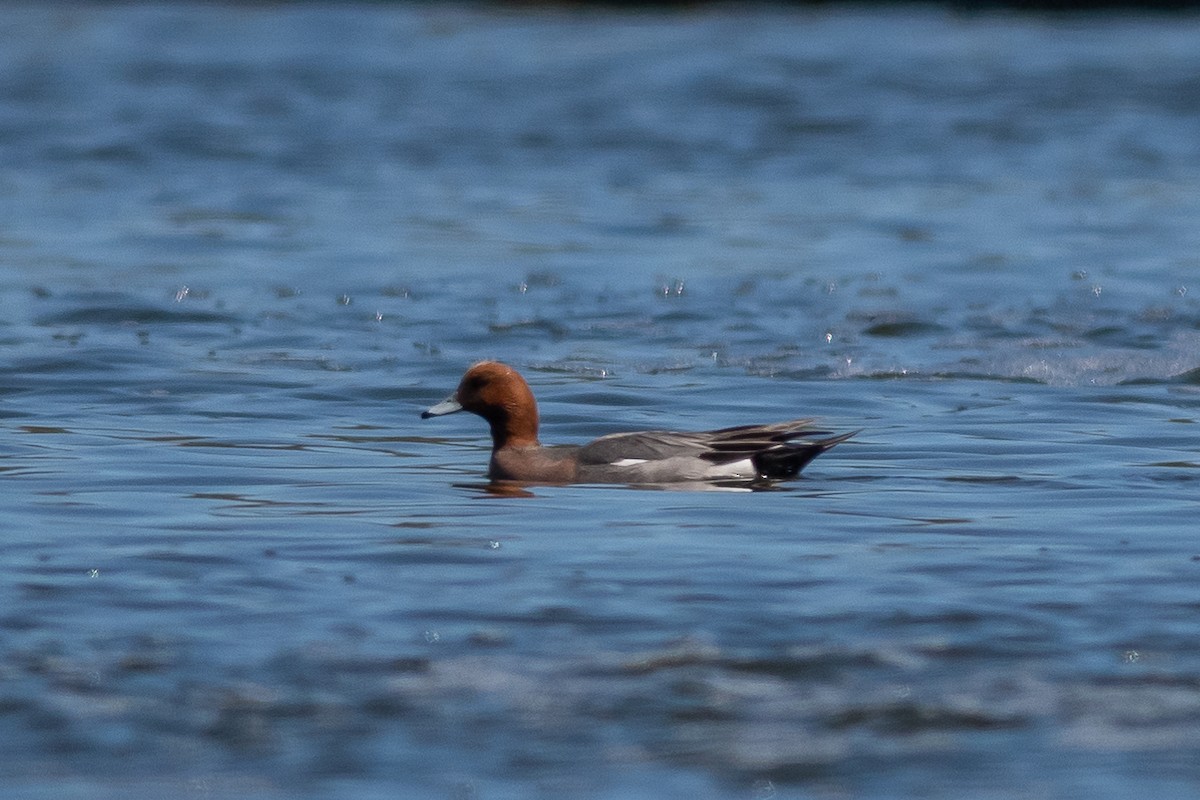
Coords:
447,406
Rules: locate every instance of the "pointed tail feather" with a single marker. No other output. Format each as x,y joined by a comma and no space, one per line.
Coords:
781,463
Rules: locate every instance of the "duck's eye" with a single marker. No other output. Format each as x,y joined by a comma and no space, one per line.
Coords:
473,384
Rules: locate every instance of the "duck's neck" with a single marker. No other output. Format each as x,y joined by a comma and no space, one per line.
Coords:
517,429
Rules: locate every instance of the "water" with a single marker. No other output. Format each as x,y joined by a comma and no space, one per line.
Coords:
242,248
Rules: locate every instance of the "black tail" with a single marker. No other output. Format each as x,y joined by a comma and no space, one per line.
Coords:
786,461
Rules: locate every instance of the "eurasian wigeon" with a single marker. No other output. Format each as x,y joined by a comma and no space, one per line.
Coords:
501,396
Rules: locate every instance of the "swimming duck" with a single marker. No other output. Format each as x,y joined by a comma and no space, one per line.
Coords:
499,394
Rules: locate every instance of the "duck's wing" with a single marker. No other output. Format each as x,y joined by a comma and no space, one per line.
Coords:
616,448
779,450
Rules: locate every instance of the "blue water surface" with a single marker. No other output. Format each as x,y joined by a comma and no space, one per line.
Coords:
241,247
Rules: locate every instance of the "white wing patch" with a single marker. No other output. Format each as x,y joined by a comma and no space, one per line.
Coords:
629,462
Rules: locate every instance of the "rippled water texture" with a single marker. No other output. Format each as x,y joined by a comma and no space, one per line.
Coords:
242,247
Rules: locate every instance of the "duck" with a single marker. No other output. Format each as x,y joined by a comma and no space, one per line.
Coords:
497,392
